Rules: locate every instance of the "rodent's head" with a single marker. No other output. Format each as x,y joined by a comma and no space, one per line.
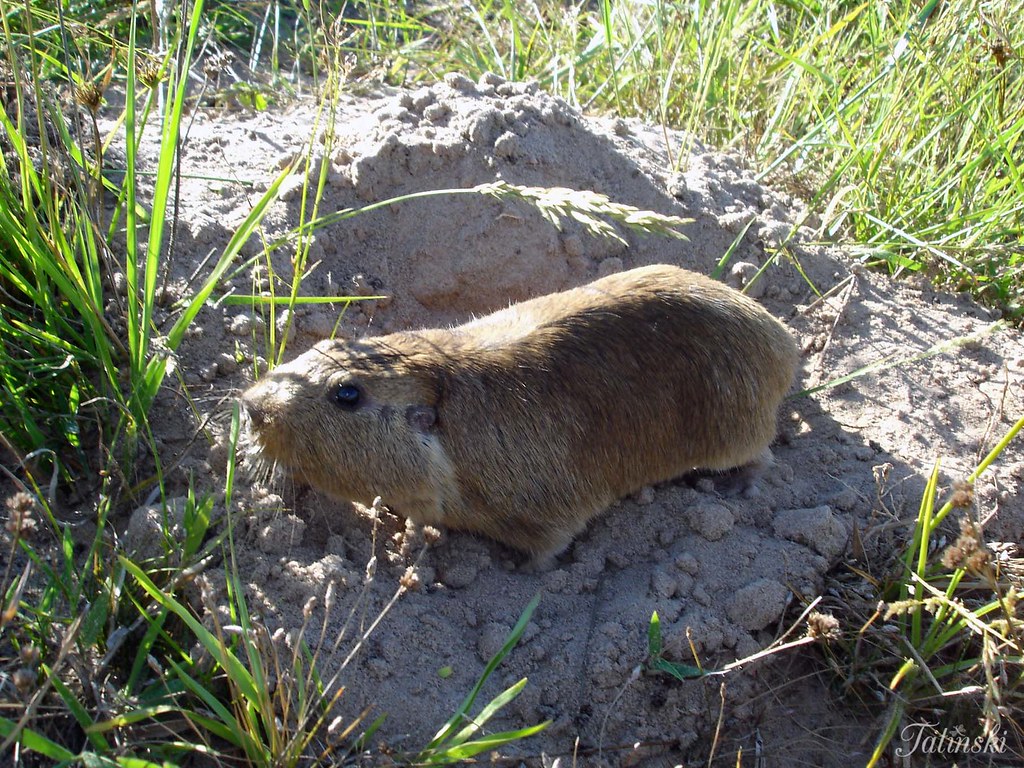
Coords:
356,419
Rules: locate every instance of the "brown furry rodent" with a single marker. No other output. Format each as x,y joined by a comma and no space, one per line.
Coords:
524,424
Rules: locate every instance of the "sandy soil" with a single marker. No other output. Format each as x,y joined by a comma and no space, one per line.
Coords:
726,572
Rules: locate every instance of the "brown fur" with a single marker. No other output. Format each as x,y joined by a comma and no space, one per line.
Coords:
524,424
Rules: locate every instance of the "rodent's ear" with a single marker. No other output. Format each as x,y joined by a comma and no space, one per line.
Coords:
421,417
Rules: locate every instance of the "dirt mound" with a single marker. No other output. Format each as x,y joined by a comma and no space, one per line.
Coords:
720,572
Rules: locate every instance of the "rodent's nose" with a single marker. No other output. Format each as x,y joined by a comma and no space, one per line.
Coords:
251,405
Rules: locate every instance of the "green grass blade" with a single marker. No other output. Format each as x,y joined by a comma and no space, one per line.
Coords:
493,741
138,762
234,246
248,300
163,185
134,316
895,717
226,726
919,549
79,712
240,676
492,708
154,628
654,643
898,359
460,715
36,742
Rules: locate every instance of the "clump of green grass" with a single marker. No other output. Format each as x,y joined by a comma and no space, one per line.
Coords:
82,362
57,348
960,631
78,341
936,633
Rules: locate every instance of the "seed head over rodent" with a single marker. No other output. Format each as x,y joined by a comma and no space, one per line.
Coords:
524,424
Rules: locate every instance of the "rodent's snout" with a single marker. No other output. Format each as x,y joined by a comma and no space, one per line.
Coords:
255,404
280,406
257,416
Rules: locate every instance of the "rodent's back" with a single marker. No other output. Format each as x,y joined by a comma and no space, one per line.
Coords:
631,380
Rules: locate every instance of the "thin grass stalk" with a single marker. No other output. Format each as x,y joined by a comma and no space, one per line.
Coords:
134,315
304,242
169,149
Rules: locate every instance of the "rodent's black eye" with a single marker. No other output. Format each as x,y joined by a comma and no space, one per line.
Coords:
347,395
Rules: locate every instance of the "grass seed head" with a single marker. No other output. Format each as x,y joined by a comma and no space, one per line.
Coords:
410,579
823,626
216,64
90,96
968,551
24,680
29,655
149,73
963,494
20,521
